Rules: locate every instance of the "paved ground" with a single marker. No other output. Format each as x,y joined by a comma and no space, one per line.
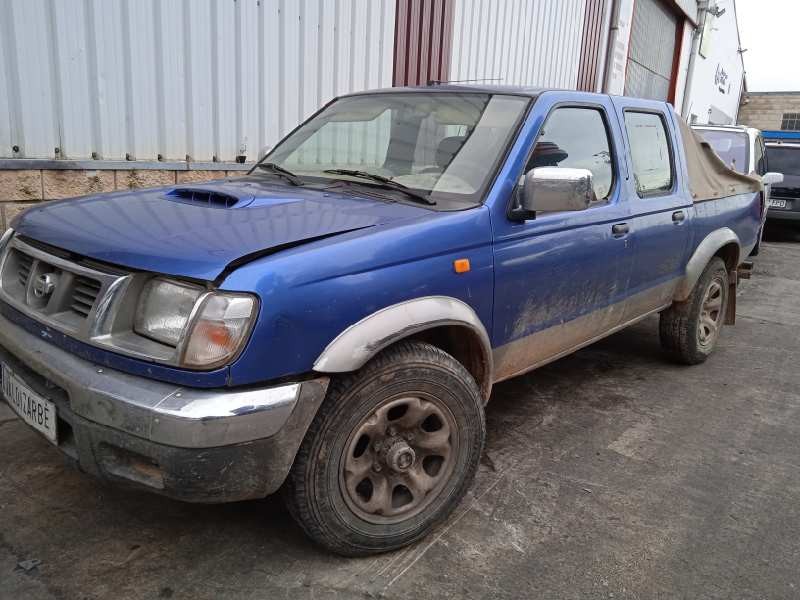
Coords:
610,473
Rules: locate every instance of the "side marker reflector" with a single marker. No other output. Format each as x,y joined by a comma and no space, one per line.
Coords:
461,265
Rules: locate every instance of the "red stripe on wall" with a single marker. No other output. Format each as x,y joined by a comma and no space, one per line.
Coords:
423,39
590,45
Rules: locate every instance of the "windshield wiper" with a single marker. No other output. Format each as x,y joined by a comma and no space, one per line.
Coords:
385,183
281,172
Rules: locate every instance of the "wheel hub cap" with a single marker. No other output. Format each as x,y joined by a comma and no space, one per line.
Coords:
398,459
710,314
400,456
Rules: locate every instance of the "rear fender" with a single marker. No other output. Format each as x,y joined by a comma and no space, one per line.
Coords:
706,250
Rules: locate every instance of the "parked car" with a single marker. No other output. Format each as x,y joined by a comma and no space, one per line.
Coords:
784,203
332,324
742,149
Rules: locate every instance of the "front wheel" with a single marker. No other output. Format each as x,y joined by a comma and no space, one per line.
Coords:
689,330
391,452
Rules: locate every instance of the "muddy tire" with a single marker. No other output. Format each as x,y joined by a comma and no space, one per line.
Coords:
689,330
391,452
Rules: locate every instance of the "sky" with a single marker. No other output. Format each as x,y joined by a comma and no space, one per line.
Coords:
770,31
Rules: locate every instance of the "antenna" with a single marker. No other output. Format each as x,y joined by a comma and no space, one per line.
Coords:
441,81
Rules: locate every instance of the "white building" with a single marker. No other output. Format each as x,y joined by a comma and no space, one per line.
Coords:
715,88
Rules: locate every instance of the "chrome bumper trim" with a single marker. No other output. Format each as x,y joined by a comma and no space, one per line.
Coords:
153,410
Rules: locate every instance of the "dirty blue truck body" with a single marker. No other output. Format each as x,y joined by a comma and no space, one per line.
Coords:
337,276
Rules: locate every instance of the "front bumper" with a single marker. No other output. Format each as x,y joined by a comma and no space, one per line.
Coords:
790,213
191,444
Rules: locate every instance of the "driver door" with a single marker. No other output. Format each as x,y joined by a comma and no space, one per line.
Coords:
561,279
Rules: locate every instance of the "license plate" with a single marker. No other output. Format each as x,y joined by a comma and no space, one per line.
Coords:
30,406
773,203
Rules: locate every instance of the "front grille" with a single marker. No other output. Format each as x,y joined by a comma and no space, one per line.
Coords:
782,192
54,289
24,269
84,295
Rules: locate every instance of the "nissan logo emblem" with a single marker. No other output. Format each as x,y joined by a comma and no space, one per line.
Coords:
44,285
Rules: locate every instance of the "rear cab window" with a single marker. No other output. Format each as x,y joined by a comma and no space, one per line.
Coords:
651,153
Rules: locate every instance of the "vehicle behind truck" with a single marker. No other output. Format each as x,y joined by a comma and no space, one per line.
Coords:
784,205
742,149
331,325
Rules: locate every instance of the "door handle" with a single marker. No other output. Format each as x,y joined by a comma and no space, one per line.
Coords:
620,229
678,216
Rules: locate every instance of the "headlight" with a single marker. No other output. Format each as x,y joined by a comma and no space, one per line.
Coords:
205,328
164,310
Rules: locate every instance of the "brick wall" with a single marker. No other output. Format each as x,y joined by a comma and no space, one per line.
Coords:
23,188
765,111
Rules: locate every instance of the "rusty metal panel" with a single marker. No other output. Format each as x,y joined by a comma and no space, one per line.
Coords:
593,38
518,42
423,41
207,79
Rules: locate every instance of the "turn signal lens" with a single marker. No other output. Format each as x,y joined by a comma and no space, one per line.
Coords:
220,330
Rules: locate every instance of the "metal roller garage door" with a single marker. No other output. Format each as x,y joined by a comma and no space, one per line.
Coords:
651,52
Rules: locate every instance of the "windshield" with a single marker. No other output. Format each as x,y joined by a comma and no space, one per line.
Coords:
730,146
443,145
784,159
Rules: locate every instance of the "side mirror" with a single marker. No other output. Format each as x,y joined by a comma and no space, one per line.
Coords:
557,189
772,178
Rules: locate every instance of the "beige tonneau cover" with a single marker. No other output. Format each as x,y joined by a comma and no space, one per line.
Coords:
709,176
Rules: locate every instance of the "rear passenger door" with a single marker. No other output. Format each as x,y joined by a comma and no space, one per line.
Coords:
659,205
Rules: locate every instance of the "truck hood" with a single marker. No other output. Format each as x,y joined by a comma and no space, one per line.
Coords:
199,231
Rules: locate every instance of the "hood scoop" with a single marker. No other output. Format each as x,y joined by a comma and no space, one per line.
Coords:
211,198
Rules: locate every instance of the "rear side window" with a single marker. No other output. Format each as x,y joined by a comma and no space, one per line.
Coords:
650,153
576,138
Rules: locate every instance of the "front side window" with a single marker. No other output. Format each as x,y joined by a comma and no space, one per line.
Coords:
730,146
650,152
576,138
443,145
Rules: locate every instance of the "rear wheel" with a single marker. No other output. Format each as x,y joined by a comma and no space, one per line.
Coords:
391,452
689,330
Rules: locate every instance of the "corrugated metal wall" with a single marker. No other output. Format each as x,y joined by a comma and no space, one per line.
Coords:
208,79
518,42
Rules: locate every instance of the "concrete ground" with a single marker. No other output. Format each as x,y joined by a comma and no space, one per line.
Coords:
609,474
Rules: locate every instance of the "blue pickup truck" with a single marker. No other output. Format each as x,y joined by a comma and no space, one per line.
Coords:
331,324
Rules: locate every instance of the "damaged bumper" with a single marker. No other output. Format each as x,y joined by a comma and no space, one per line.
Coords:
191,444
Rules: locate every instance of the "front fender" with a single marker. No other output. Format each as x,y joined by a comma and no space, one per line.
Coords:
706,250
357,344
